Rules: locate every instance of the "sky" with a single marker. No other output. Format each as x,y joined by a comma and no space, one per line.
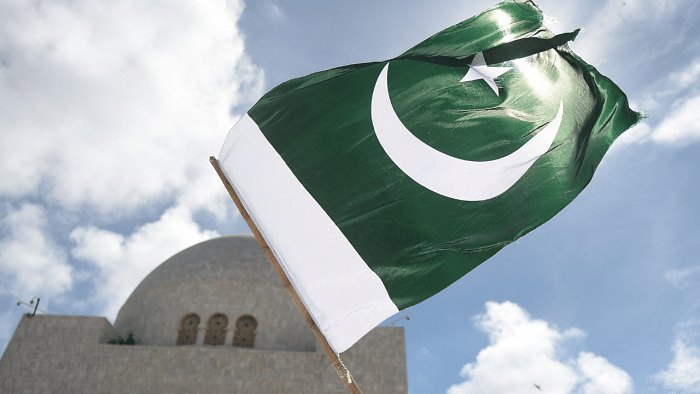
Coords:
110,110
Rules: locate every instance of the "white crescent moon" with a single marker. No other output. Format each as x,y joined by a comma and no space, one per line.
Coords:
446,175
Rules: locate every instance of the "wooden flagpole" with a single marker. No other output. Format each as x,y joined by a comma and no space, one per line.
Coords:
343,372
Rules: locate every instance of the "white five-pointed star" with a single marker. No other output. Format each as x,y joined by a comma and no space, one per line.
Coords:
479,70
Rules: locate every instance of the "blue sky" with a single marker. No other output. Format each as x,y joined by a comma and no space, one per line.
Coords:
109,112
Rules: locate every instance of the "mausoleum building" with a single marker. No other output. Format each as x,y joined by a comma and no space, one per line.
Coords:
213,318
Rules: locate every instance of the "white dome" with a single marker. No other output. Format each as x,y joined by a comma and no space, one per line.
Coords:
227,276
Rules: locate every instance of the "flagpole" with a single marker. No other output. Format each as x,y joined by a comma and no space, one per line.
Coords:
340,369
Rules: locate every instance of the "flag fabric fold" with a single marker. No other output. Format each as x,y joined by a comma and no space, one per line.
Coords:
378,185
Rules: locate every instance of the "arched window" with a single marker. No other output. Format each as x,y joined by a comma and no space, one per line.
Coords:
215,334
187,334
244,336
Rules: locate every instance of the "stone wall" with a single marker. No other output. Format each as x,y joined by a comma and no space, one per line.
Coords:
70,354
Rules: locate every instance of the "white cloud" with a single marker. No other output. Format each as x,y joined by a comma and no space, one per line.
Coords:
32,264
115,104
683,373
638,134
683,278
680,127
574,333
672,88
108,107
601,377
524,352
124,261
687,77
672,99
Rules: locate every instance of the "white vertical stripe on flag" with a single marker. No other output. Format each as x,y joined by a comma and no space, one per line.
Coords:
343,295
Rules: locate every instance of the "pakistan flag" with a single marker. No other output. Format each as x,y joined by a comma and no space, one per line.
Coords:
378,185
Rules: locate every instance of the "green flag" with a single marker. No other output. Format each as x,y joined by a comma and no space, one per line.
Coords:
378,185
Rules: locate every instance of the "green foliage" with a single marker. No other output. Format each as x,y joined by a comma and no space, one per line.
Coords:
129,340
